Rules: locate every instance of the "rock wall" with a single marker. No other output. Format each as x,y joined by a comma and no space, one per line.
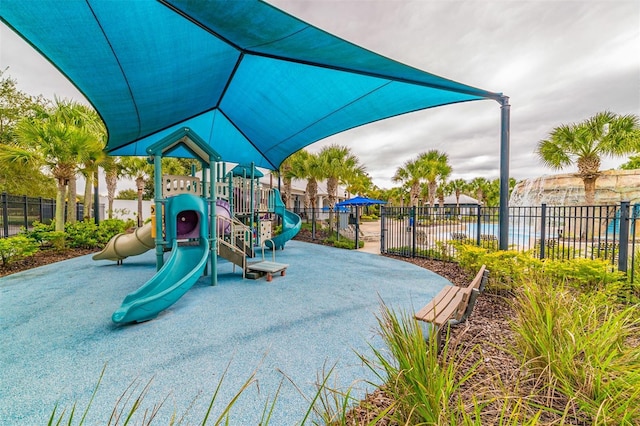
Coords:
612,187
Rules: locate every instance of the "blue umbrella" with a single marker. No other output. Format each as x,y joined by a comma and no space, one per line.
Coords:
359,201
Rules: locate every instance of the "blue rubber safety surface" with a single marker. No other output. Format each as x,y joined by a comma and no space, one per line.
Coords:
56,336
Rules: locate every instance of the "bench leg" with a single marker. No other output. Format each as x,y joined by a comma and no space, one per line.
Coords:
282,272
269,276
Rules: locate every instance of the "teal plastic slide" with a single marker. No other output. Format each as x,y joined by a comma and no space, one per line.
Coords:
291,223
170,283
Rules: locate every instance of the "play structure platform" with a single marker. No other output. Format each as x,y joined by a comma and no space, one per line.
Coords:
268,268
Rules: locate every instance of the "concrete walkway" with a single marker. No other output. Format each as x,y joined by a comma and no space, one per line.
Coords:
56,336
371,245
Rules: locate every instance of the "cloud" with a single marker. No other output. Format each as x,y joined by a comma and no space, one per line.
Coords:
558,61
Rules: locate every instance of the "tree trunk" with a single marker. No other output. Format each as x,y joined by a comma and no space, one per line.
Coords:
112,182
71,203
88,187
415,193
432,186
590,190
332,189
60,196
286,193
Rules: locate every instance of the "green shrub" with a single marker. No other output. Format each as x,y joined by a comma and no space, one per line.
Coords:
586,275
82,234
16,248
39,232
108,228
343,242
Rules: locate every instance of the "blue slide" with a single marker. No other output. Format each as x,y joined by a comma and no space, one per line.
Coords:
170,283
291,223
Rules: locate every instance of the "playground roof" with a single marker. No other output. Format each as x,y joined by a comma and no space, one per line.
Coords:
255,83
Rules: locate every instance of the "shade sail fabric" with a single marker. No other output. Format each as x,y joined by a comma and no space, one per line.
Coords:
254,82
359,201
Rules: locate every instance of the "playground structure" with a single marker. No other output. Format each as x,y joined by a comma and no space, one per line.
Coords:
225,214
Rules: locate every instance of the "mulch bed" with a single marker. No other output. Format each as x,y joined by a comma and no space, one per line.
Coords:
41,258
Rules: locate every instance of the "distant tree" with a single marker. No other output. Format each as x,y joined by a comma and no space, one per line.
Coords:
307,166
361,184
137,168
436,170
428,167
480,186
113,170
57,138
585,143
338,165
18,177
127,194
458,187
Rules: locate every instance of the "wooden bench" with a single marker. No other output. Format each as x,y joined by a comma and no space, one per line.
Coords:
454,304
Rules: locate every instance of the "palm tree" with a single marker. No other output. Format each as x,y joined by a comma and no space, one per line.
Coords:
338,166
585,143
458,186
410,174
56,138
436,169
360,183
480,186
285,173
113,169
139,169
305,165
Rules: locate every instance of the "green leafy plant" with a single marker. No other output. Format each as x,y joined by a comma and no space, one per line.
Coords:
343,242
420,379
108,228
82,234
16,248
583,346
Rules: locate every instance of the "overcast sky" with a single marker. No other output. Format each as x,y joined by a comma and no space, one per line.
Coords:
558,61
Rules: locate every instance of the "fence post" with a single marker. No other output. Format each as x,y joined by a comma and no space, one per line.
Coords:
25,212
41,208
543,229
5,214
478,221
383,218
623,254
412,221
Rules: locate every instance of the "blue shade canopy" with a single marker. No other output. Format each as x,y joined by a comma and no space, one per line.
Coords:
359,201
255,83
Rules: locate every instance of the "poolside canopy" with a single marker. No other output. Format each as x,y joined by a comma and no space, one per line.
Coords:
359,201
255,83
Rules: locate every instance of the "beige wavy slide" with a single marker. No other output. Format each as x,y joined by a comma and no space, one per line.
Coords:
125,245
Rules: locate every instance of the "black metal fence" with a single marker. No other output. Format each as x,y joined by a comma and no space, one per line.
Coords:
20,211
557,232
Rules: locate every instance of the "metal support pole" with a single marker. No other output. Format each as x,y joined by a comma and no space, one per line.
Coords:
157,189
504,173
213,224
357,227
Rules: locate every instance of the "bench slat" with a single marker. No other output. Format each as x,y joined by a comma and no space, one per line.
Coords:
446,294
440,309
452,303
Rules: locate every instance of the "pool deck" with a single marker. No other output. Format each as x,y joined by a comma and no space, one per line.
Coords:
57,335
